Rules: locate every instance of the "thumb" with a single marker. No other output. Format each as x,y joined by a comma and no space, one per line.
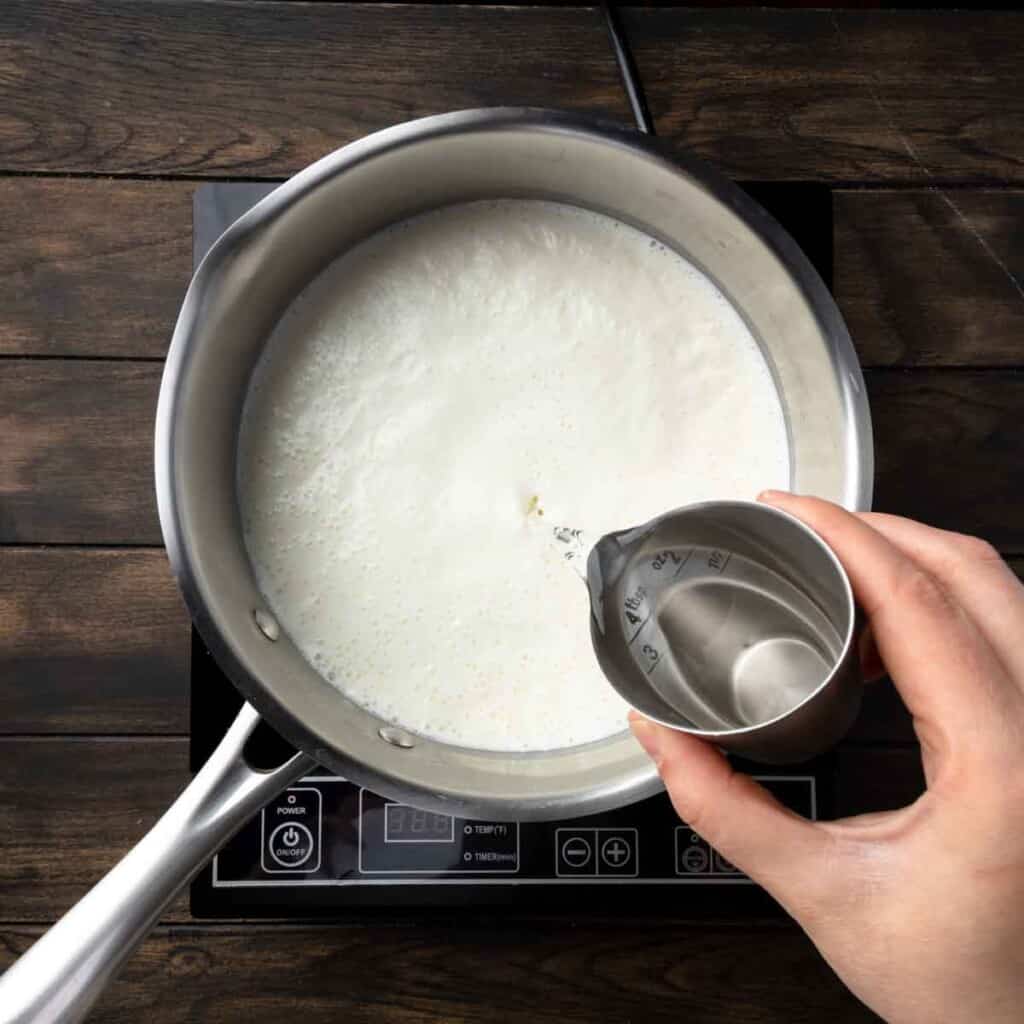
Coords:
780,850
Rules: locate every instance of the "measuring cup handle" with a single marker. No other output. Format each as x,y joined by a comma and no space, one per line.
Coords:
62,975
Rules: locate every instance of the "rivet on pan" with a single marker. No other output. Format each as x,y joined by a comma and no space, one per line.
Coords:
266,624
396,737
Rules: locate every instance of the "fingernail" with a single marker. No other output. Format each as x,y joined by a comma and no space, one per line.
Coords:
646,734
771,495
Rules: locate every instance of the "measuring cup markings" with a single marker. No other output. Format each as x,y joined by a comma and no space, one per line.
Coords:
718,560
724,618
632,607
653,654
675,652
638,610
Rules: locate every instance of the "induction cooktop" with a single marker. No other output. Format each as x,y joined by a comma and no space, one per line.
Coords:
329,847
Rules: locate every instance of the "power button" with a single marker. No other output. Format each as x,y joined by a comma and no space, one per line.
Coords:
290,845
291,832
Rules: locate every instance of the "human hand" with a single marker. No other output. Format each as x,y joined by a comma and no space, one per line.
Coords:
919,911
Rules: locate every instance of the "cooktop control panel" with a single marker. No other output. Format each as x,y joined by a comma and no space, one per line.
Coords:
325,835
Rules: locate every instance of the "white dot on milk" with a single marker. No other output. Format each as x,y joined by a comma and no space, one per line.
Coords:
422,390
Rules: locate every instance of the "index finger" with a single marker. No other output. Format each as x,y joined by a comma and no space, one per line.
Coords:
974,573
943,666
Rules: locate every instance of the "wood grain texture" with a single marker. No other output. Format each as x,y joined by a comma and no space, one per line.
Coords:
76,459
99,268
838,95
92,267
70,808
546,972
262,89
932,278
91,641
76,467
95,641
948,450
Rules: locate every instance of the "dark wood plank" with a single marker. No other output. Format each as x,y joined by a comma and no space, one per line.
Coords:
76,458
69,809
948,450
262,89
92,267
844,95
99,268
96,641
477,973
932,278
76,467
91,641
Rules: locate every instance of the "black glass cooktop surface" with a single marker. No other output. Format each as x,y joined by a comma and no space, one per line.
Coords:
328,847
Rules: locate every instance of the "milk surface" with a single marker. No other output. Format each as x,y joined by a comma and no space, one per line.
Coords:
434,403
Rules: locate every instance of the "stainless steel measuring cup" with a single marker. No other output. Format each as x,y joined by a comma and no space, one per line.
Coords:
732,621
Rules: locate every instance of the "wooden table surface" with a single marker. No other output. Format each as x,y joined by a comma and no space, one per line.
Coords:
111,112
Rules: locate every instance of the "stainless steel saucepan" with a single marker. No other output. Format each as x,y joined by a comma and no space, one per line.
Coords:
238,293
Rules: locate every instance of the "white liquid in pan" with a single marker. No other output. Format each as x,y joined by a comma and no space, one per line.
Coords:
428,396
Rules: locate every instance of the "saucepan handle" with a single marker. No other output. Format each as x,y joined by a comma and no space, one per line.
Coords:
61,976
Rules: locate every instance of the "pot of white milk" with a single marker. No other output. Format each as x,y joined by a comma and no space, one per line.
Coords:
382,379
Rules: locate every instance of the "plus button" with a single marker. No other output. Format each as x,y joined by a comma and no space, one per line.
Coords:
616,851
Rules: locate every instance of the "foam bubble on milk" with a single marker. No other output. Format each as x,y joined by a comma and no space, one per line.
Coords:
428,396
